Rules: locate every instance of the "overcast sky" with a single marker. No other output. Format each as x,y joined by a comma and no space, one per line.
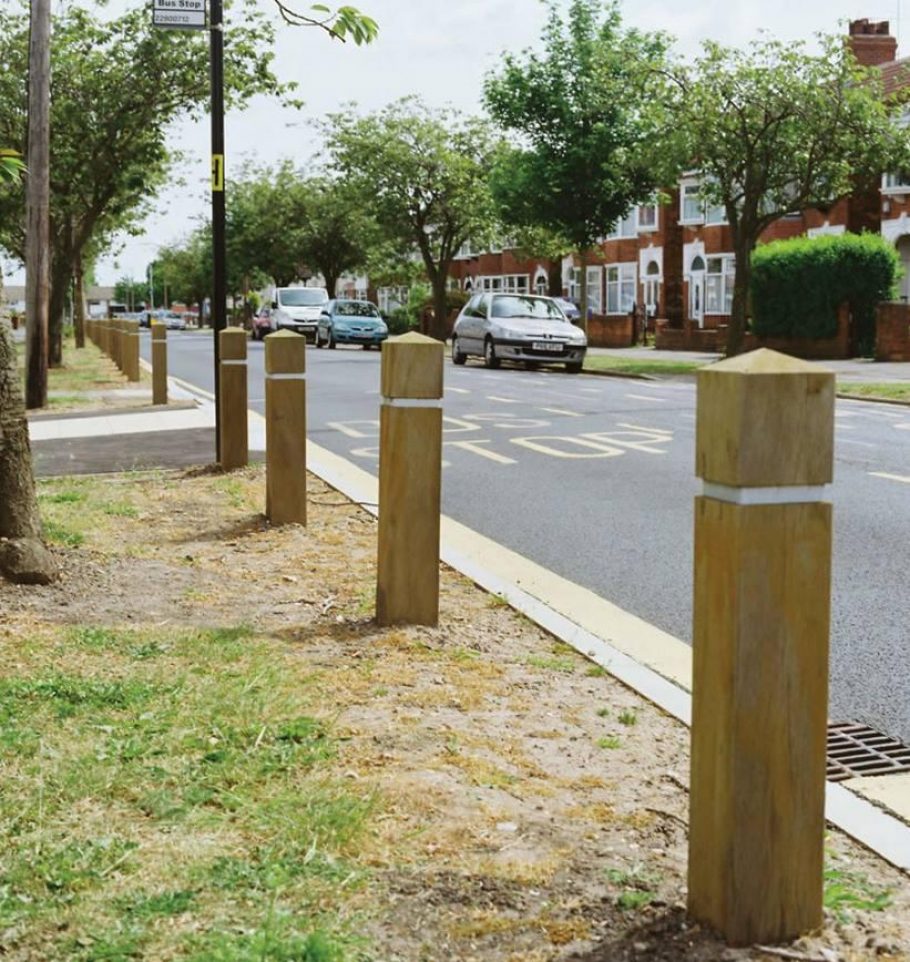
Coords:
440,49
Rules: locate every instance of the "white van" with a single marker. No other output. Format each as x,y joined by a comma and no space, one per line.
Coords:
298,309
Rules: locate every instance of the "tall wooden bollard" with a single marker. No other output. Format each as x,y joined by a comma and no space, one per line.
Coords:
159,362
117,342
410,469
764,449
233,399
285,428
131,350
106,337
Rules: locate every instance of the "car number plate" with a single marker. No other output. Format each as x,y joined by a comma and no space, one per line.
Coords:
547,346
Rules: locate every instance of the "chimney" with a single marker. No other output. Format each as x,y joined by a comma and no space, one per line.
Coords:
872,43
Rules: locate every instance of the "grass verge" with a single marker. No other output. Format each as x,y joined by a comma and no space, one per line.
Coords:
621,365
889,391
84,370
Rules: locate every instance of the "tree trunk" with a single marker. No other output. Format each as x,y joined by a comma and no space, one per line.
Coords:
23,557
738,314
583,307
440,325
79,301
37,239
331,281
60,280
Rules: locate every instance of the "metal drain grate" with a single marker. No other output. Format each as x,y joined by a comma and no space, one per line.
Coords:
859,750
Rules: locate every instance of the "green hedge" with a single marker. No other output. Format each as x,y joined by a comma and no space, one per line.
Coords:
798,284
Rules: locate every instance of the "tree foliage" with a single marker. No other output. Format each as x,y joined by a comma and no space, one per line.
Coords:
799,284
422,176
117,86
774,130
588,114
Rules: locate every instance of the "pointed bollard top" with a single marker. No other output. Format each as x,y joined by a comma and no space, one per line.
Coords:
412,367
285,353
765,419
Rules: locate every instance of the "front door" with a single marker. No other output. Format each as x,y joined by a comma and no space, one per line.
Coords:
697,292
903,249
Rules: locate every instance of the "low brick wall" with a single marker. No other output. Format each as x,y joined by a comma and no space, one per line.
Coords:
610,331
892,332
692,338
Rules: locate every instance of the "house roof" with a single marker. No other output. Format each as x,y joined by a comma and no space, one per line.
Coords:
896,76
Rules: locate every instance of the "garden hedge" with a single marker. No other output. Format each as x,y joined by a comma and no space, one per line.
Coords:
798,284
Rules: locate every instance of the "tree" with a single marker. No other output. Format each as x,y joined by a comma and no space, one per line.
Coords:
422,175
589,113
23,557
774,130
117,86
336,233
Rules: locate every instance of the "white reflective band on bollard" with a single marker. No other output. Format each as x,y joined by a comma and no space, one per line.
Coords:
783,494
233,361
412,402
286,377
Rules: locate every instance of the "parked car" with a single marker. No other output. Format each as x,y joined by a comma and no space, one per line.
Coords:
297,309
344,321
262,323
568,307
172,320
517,327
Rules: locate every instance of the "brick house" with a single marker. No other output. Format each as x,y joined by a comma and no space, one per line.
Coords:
676,259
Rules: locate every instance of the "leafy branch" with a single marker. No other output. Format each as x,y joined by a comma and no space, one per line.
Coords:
341,24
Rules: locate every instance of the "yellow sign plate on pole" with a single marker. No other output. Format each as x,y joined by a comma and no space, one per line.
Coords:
218,172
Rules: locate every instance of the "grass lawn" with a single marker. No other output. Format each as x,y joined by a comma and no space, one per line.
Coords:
890,391
84,370
623,365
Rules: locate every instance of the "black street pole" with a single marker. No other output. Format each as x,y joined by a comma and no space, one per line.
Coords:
219,251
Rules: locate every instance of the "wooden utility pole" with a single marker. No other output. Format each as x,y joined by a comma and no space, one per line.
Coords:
37,238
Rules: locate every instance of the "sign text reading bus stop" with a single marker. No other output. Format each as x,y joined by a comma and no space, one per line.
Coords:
179,14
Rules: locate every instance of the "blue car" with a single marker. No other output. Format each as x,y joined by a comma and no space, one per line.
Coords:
345,321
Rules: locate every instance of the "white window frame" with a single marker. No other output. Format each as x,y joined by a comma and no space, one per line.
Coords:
503,283
594,278
621,282
575,284
643,224
708,214
896,182
625,227
390,298
720,272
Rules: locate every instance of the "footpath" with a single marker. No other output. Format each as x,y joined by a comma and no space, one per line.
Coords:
492,921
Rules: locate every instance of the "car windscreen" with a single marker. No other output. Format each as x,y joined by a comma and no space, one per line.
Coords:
356,309
516,305
302,297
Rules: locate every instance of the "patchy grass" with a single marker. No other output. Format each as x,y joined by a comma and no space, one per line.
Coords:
622,365
84,370
848,891
156,779
609,742
889,391
78,511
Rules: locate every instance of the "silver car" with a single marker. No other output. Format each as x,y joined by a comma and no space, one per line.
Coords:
517,327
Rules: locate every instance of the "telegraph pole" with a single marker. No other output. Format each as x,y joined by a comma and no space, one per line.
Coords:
219,251
37,231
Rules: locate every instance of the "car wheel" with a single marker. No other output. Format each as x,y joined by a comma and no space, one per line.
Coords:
490,359
574,367
366,347
457,356
532,365
332,342
318,341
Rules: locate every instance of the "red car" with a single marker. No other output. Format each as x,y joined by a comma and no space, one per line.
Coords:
262,323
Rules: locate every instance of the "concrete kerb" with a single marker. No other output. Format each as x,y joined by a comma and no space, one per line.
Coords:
491,567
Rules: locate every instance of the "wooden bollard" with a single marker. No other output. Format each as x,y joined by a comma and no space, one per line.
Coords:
764,449
131,350
233,398
285,428
159,362
117,343
410,468
105,344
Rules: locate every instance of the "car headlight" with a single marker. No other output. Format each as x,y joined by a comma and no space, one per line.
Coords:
511,333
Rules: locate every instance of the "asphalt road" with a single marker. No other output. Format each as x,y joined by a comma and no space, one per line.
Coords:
593,478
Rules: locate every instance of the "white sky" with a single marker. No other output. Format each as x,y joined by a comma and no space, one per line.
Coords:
440,49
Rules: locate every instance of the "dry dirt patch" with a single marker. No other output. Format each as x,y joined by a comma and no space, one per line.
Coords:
522,805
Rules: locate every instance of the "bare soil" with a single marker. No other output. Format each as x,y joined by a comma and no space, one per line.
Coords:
532,808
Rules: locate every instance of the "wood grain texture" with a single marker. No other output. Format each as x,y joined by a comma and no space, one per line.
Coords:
759,716
131,350
410,477
233,399
412,367
765,419
159,363
285,429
